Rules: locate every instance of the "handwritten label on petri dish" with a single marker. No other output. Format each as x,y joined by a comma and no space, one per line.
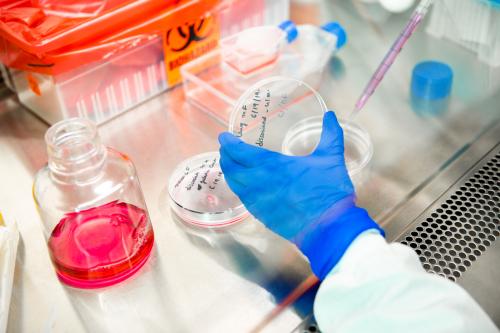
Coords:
281,105
258,110
207,174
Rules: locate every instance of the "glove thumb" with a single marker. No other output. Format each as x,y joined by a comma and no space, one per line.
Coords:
332,138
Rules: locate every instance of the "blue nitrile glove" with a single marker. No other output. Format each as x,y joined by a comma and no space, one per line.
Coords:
308,200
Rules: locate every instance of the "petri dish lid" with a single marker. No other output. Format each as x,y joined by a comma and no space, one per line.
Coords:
268,109
199,195
303,138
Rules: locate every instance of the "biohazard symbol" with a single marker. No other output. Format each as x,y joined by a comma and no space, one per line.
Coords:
179,39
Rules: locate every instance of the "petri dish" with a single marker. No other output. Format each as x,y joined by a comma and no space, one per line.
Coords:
200,196
284,114
267,110
302,138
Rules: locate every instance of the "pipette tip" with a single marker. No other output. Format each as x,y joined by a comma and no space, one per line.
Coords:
353,114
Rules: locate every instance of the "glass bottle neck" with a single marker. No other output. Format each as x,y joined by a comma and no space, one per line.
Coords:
75,152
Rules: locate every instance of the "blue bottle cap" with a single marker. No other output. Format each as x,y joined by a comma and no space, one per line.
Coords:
494,3
336,29
431,80
290,28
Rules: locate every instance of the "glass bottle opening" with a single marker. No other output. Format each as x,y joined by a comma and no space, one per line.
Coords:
73,145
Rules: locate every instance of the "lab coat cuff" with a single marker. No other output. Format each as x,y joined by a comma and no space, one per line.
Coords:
326,244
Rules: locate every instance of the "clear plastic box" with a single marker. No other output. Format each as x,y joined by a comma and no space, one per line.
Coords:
215,81
102,90
473,24
97,91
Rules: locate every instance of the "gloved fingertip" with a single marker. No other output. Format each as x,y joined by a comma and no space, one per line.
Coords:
226,138
331,124
331,135
330,118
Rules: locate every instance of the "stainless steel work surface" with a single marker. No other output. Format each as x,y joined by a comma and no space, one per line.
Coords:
240,278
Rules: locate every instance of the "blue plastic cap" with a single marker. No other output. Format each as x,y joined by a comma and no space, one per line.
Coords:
336,29
290,28
495,3
431,80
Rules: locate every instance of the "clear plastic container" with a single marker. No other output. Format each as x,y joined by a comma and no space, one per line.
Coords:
94,214
103,89
303,138
215,81
200,196
97,91
473,24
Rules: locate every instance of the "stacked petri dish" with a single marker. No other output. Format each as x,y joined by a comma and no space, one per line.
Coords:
286,115
200,196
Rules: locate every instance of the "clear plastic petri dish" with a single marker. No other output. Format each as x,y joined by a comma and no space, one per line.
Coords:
199,195
302,138
267,110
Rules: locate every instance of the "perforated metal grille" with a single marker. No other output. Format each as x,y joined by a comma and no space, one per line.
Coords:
454,235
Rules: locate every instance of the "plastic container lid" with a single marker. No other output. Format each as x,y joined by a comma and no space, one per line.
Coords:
200,196
431,80
303,138
266,111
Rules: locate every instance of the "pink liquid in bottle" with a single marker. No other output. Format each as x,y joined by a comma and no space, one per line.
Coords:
101,246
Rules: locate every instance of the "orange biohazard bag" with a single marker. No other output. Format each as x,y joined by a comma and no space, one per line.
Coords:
98,58
49,36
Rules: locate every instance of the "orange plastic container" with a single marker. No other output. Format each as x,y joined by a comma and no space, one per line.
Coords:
97,59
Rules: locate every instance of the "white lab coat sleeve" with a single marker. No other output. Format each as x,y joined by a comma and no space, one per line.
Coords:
381,287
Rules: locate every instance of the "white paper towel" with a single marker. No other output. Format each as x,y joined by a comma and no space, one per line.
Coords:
9,237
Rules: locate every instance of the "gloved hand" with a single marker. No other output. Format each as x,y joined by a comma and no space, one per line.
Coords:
308,200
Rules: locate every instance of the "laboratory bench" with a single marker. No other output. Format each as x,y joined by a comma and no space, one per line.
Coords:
243,278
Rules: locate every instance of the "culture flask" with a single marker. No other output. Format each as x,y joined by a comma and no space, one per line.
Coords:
94,215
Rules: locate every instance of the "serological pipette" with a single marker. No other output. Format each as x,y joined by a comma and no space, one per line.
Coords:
391,55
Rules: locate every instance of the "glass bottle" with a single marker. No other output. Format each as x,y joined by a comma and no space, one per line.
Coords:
94,215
